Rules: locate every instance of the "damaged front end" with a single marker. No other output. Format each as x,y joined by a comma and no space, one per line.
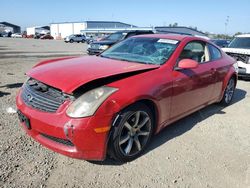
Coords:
43,97
240,57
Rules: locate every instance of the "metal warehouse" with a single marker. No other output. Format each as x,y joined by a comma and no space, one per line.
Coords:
8,27
63,29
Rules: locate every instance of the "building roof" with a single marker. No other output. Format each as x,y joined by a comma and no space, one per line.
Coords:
9,24
101,24
42,27
179,30
112,30
107,24
243,35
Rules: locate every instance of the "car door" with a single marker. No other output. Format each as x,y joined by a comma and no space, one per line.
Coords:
77,38
221,69
192,88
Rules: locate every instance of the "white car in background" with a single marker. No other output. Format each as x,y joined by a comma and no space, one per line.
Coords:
16,35
239,49
75,38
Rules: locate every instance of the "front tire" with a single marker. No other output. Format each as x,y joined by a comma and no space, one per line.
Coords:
132,133
229,92
71,40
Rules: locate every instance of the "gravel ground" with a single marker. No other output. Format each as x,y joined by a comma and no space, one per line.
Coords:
210,148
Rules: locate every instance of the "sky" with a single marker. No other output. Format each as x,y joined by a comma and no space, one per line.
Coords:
207,16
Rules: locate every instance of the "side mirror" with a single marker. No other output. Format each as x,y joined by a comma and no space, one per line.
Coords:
187,64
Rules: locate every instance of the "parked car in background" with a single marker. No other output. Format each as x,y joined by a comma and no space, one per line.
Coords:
89,39
239,49
221,42
29,36
47,37
5,34
86,107
75,38
16,35
97,47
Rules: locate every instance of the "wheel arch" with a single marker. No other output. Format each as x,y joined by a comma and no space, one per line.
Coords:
146,101
226,80
117,118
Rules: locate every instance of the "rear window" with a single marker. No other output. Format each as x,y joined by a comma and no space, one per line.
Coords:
214,52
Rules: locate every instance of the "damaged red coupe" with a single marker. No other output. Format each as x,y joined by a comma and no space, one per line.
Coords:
89,107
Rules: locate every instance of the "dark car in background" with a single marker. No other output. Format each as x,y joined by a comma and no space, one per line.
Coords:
47,37
99,46
221,42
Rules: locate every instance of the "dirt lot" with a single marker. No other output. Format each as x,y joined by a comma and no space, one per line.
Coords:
210,148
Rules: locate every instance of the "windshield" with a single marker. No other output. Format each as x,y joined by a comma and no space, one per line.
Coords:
142,50
115,36
240,42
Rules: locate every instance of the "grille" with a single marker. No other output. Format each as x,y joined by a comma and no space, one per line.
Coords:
58,140
41,96
95,46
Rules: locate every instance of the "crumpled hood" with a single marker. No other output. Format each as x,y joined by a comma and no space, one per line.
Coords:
69,74
237,50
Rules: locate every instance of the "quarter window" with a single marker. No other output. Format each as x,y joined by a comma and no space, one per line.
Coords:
214,52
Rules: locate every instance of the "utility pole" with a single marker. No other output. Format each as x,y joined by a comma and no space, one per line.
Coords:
226,24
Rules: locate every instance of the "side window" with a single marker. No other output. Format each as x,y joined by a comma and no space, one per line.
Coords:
214,52
196,50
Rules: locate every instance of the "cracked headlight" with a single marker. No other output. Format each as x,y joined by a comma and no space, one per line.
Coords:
89,102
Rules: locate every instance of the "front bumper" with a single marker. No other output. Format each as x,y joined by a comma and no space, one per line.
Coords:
244,70
242,73
94,51
73,137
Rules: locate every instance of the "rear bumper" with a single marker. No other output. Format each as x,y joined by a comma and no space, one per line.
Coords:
72,137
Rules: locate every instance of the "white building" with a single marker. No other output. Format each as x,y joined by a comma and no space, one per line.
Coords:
63,29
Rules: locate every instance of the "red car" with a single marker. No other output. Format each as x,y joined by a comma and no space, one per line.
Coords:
91,106
47,37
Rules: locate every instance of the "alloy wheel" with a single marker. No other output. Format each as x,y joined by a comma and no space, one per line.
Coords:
229,91
135,133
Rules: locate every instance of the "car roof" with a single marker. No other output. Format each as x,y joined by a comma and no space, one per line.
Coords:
244,35
171,36
134,31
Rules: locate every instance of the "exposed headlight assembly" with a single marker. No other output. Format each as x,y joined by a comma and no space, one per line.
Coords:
89,102
103,47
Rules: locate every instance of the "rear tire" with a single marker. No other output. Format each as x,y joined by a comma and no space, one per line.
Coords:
131,133
228,93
